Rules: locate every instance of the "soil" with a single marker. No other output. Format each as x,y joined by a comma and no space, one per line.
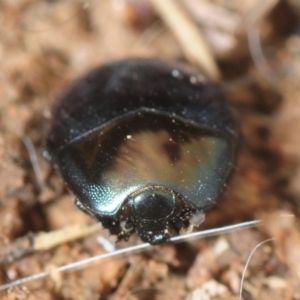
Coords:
44,45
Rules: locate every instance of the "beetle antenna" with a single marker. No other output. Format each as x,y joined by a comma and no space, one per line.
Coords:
127,250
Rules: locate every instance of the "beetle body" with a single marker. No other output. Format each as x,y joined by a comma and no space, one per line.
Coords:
144,145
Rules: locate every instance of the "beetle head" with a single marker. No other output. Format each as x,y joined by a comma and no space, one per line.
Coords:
155,213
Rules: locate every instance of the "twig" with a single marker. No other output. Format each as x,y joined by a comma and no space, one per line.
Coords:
188,35
34,162
44,241
130,250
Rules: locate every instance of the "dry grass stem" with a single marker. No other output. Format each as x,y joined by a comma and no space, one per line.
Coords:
188,35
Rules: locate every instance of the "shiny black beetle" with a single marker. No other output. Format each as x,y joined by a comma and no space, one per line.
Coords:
144,145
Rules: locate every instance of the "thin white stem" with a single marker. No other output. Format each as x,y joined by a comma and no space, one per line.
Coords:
177,239
248,261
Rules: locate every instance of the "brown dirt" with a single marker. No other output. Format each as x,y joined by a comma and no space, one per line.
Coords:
46,44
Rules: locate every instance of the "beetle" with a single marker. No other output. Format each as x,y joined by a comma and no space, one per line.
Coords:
145,145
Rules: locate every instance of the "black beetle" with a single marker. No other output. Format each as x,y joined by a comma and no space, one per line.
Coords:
144,145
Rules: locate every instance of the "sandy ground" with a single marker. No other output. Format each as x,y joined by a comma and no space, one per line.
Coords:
44,45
